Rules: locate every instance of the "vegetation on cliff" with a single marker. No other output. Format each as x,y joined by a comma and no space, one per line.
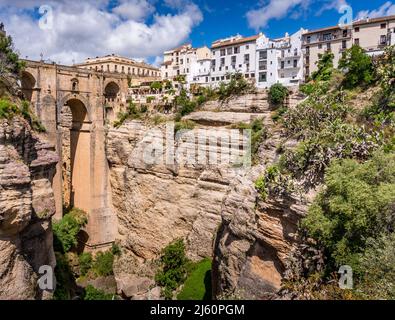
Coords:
345,147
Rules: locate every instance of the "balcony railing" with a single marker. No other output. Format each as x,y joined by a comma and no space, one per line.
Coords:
339,35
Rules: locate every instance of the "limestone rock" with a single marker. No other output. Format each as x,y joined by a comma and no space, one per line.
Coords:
27,166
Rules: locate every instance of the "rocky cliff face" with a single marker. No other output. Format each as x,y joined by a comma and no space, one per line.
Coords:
27,166
215,208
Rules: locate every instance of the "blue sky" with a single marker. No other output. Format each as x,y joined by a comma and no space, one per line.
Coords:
143,29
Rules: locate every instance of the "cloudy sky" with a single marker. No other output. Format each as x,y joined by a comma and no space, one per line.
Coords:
68,31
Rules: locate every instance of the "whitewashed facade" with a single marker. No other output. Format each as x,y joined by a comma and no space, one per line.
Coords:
279,60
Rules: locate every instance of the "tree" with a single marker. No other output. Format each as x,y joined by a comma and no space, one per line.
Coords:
325,67
355,205
277,94
173,270
357,66
9,59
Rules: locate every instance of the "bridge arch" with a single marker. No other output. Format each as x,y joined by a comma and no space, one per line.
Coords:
28,83
76,153
111,91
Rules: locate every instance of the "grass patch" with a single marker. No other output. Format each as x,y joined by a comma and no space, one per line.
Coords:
198,284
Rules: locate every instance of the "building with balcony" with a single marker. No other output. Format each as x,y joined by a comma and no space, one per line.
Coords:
279,60
236,54
371,34
139,71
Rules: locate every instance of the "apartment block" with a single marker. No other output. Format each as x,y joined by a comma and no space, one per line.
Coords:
373,35
118,64
279,60
231,55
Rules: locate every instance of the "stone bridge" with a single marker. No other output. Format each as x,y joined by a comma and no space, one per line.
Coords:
74,105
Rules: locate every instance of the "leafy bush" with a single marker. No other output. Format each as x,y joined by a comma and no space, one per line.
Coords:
237,85
184,105
156,85
67,229
64,278
354,206
8,109
103,265
86,262
116,250
277,94
184,125
198,284
9,62
173,268
274,183
132,113
378,268
325,67
338,140
150,99
91,293
357,66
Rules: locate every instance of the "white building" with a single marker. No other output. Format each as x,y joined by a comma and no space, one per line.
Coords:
279,60
232,55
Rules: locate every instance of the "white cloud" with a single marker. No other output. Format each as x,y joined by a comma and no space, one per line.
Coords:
387,9
274,9
88,29
134,9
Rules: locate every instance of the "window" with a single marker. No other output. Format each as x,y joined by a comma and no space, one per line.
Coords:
356,29
328,46
206,79
108,67
262,77
223,78
187,70
233,60
289,61
181,61
236,50
327,36
383,40
166,75
295,63
222,62
230,51
383,26
247,47
345,33
262,55
246,58
252,75
246,75
344,44
223,52
212,79
123,69
129,69
282,65
307,50
320,46
187,60
356,41
308,39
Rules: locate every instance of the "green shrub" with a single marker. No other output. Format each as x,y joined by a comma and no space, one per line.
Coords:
8,109
184,105
173,268
91,293
277,94
354,206
116,250
150,99
324,66
156,85
64,278
184,125
279,113
132,113
357,66
237,85
103,265
377,265
67,229
198,284
86,262
11,62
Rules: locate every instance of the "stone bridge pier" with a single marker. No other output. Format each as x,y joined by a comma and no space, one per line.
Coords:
74,105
